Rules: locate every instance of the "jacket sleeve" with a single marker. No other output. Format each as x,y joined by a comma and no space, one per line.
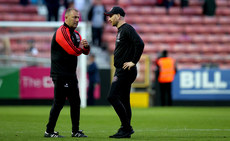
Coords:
138,44
64,40
84,49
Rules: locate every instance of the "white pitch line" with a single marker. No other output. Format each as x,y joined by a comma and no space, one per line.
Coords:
168,130
148,130
175,130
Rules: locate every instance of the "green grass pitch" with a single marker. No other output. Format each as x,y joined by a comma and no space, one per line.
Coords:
27,123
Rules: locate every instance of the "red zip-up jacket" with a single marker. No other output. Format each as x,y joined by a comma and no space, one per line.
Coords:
64,51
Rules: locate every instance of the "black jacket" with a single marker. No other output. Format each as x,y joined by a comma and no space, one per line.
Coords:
129,46
64,52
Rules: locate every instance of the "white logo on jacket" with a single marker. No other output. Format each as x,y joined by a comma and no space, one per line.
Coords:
118,37
77,37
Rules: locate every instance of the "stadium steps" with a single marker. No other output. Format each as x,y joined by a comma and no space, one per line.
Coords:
182,32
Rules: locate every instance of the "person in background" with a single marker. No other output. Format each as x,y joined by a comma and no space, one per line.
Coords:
32,51
83,7
98,19
5,49
167,70
24,2
160,2
183,4
66,46
209,7
53,9
168,4
155,85
128,50
66,3
69,5
94,79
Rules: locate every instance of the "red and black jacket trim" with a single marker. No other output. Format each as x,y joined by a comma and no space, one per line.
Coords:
65,40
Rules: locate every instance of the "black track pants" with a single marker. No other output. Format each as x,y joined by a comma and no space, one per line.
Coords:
65,89
119,95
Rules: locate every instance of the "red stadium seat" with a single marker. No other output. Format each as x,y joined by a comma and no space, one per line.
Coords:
9,17
224,20
198,39
224,29
132,10
152,20
188,66
109,2
192,48
134,19
195,3
159,11
174,11
24,17
213,38
178,48
225,11
192,10
146,38
189,36
124,3
163,46
109,37
111,46
143,2
146,10
150,48
222,3
196,20
38,18
184,20
210,20
143,28
206,49
222,49
174,29
224,38
110,29
10,2
224,66
217,30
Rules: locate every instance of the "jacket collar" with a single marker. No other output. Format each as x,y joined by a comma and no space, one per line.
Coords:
71,29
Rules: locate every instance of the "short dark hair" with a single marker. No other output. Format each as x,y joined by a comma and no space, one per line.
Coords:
69,10
164,53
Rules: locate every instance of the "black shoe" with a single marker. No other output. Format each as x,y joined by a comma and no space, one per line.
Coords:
53,135
78,134
123,133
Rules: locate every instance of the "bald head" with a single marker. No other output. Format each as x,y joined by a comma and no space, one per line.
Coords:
69,10
72,17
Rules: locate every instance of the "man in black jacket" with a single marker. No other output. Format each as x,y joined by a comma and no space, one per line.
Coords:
65,47
128,50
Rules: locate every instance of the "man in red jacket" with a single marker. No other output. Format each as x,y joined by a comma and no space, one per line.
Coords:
66,45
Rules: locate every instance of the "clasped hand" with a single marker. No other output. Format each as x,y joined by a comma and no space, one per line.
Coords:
128,65
84,43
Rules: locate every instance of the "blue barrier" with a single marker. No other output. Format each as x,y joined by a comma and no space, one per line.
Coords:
201,84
